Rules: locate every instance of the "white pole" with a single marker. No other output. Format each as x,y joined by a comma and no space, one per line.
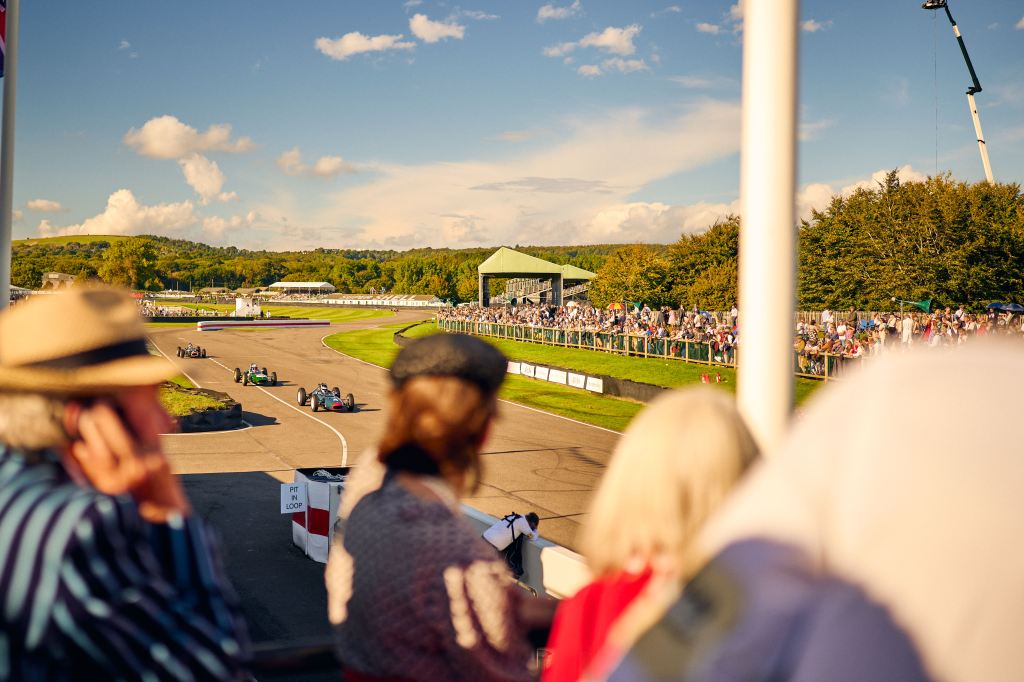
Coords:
982,147
7,151
767,247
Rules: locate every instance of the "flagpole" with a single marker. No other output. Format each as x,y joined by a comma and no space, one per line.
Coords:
7,151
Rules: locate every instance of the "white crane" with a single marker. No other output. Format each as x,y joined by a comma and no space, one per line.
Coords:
975,86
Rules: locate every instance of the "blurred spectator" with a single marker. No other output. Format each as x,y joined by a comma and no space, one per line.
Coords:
860,562
414,592
105,571
675,464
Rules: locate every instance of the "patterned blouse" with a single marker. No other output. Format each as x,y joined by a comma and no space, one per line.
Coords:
91,591
428,598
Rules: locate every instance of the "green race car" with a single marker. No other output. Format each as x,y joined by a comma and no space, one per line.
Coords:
255,375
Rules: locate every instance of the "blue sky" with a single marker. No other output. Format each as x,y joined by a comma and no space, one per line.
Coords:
402,124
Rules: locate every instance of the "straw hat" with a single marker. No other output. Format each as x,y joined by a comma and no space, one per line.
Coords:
83,341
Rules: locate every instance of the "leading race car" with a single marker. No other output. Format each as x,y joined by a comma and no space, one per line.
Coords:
323,398
255,375
191,351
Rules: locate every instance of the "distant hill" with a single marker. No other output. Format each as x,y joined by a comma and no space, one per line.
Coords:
181,264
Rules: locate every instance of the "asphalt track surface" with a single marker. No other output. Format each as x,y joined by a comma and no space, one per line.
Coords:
533,461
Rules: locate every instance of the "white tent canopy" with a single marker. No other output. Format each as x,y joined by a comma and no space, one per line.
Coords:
324,287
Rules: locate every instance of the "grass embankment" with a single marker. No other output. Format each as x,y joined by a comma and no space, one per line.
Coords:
179,402
668,373
333,314
79,238
377,346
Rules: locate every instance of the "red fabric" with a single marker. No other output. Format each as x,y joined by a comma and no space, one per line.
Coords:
582,623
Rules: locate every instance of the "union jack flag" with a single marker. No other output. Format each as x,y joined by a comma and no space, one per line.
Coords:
3,34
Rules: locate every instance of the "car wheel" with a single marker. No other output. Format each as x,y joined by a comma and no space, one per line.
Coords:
350,402
301,396
265,370
179,351
202,353
245,379
316,403
273,378
337,392
238,375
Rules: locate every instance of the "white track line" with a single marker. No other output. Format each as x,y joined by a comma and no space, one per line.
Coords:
344,443
510,402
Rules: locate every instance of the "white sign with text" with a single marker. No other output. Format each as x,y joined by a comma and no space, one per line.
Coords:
577,380
293,497
526,370
540,373
595,385
557,376
513,368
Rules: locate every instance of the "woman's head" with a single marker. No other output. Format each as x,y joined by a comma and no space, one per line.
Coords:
444,398
673,467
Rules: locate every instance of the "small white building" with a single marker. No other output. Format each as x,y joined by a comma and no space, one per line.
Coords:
303,287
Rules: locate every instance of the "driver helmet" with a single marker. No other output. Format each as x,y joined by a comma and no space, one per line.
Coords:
252,367
322,387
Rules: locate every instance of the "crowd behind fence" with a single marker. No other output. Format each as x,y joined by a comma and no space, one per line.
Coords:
821,366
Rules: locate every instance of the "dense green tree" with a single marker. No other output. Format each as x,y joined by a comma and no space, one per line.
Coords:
633,273
130,263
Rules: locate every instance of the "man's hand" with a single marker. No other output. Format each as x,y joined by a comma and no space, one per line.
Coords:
116,447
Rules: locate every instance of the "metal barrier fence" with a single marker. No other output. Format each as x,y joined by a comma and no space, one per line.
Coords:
823,366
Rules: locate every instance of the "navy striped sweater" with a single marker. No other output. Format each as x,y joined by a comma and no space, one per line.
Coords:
90,590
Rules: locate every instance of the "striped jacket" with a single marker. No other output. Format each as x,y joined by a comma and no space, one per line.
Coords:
90,590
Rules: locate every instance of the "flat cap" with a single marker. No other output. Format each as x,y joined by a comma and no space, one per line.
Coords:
451,355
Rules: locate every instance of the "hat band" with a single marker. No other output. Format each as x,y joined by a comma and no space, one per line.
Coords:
95,356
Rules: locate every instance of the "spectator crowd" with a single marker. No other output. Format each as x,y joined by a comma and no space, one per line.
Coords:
709,558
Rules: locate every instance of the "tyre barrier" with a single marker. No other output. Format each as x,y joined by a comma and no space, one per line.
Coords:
212,419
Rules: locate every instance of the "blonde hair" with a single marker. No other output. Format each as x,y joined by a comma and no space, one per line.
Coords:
675,464
445,416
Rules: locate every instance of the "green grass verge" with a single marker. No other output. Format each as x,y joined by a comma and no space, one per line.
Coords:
165,325
376,346
179,403
325,313
182,380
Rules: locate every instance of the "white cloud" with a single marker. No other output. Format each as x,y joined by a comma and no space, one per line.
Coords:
1020,24
810,130
671,9
612,39
736,14
433,31
325,167
44,205
564,192
550,12
713,29
124,45
613,64
702,82
478,15
205,177
17,215
409,4
214,227
515,135
165,137
355,42
813,26
125,215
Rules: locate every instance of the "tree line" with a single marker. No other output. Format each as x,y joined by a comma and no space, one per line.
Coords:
940,239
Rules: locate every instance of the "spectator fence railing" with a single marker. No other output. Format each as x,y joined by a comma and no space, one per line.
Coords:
825,366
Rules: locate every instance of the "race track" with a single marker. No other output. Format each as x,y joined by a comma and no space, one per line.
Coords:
533,461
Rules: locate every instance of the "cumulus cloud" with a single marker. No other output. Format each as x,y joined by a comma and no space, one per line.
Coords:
409,4
671,9
325,167
613,64
355,42
550,12
1020,24
702,82
214,227
124,45
17,215
565,192
813,26
205,177
44,205
124,215
165,137
713,29
612,39
433,31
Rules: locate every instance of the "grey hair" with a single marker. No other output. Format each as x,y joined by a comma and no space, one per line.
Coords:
32,422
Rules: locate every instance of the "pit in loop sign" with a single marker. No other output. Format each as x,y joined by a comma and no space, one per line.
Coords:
293,497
